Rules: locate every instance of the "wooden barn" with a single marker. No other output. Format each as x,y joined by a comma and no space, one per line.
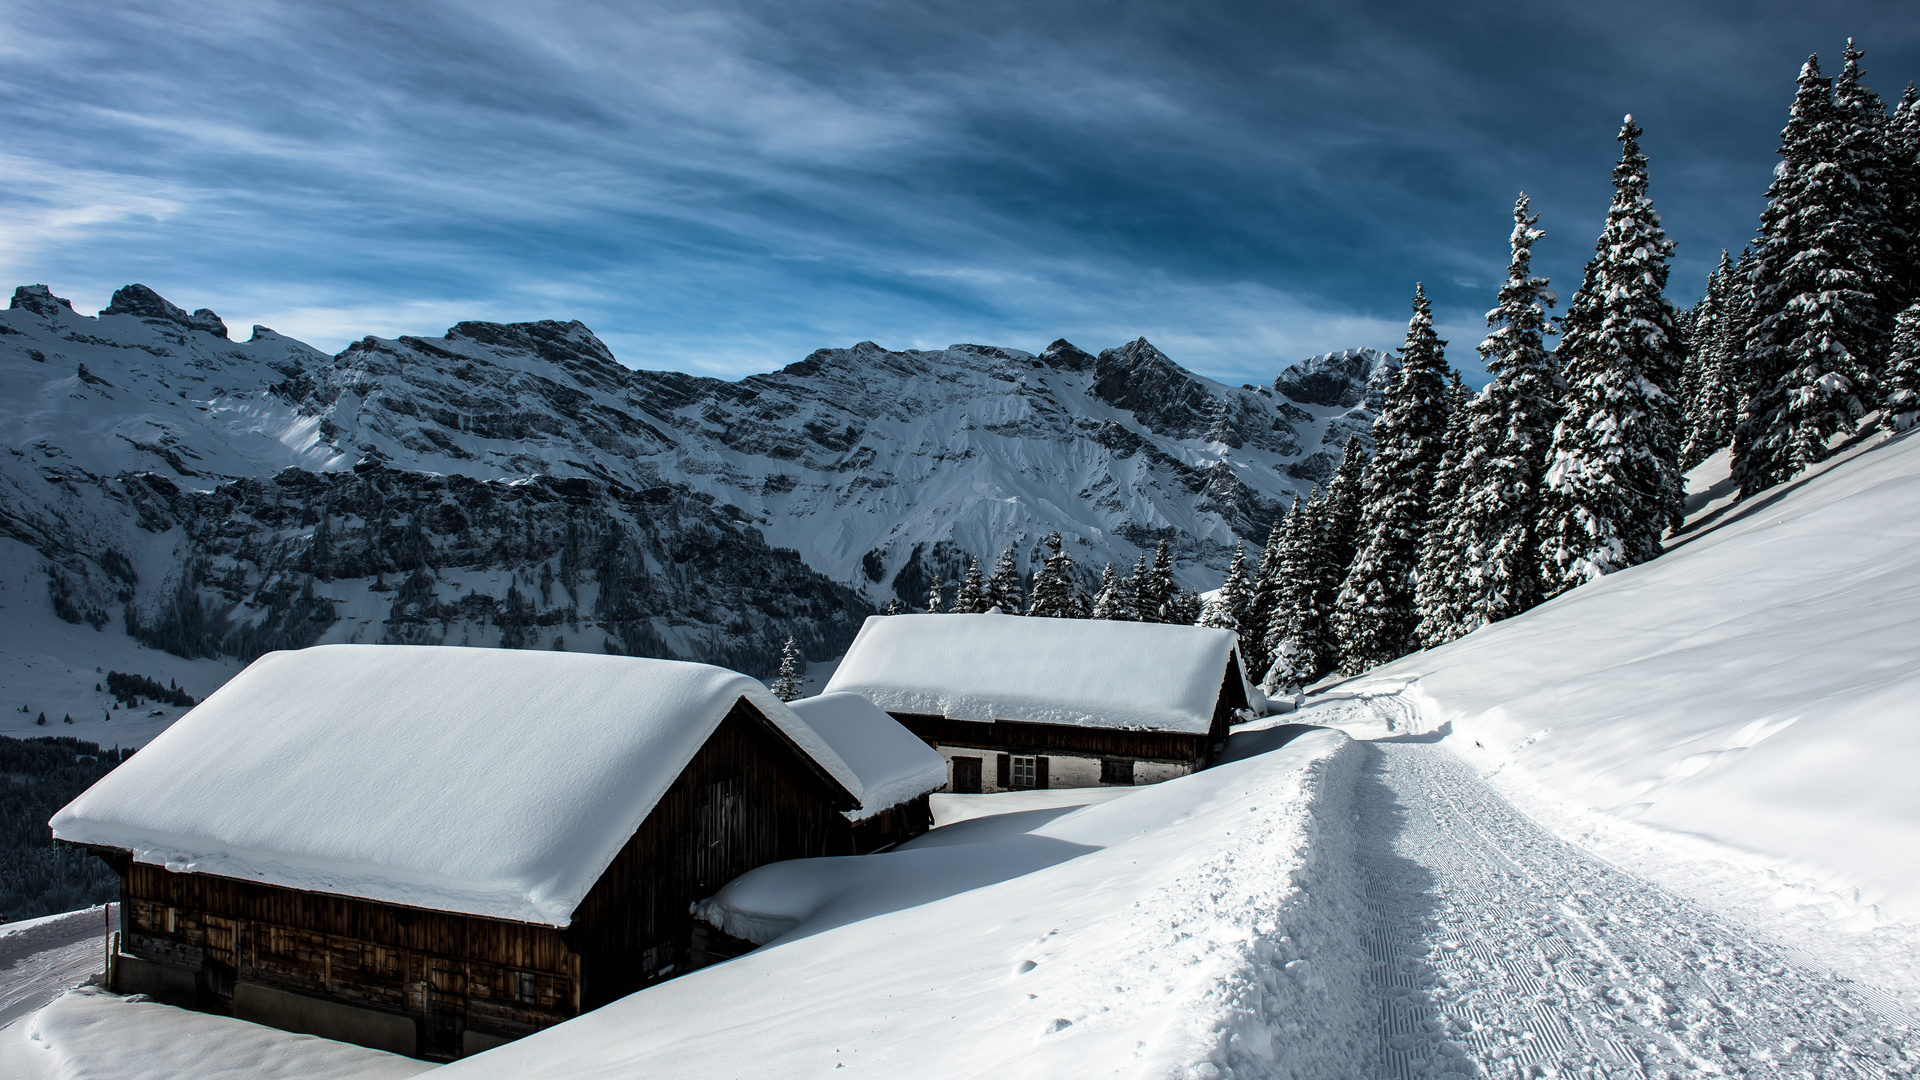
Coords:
896,770
436,850
1017,702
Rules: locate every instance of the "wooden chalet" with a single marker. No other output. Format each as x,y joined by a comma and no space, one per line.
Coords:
436,850
1015,702
896,770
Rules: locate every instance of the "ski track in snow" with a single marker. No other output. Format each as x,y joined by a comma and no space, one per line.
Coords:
1499,950
46,958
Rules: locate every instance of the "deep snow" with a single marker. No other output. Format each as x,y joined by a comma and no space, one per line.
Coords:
890,763
492,782
1094,673
1197,927
1739,719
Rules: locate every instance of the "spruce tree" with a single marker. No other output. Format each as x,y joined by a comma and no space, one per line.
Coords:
1613,484
1004,586
1298,633
1509,427
1375,614
1262,598
935,602
1820,260
1155,590
1127,599
1900,400
1229,605
893,607
1713,393
1056,594
1903,157
1442,564
971,599
788,685
1108,603
1186,607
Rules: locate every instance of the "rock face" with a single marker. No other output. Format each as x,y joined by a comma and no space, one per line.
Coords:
516,485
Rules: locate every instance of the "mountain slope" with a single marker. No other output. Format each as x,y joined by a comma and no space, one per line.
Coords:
515,484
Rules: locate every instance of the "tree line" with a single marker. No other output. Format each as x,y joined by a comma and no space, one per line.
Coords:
1569,464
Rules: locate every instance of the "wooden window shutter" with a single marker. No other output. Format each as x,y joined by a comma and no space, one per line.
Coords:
1039,772
1003,769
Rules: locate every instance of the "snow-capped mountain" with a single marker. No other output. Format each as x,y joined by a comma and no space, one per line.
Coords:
515,484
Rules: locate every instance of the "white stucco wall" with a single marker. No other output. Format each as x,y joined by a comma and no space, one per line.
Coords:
1063,770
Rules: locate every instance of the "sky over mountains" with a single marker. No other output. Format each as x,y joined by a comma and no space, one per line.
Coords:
723,187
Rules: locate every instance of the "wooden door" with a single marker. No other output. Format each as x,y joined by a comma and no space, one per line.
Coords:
446,1000
966,775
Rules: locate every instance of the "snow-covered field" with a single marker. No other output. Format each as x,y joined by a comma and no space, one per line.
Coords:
1738,720
1201,927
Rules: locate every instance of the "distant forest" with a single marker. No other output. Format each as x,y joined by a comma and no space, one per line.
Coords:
38,777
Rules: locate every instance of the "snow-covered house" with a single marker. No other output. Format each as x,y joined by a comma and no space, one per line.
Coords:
1012,701
896,770
434,850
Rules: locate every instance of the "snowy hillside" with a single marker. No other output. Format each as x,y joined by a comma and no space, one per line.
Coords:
515,485
1750,700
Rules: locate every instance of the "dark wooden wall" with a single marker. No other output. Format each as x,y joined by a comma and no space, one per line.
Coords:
748,798
449,970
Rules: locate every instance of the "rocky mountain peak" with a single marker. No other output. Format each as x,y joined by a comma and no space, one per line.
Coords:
40,300
1161,394
1342,379
143,303
1067,356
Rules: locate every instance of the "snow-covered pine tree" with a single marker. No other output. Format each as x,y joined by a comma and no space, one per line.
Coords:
1004,586
1819,261
1155,591
1055,592
1509,427
1337,533
1436,595
893,607
1127,597
788,685
1229,605
1375,614
935,602
1613,484
1299,632
1713,392
1261,598
1903,154
971,598
1186,607
1900,390
1108,602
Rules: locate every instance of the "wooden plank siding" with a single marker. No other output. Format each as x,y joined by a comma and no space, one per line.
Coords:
748,797
1026,738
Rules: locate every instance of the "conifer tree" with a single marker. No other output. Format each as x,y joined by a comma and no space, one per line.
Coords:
1903,154
1900,401
1127,597
1109,601
971,599
1154,590
1004,586
893,607
1613,483
1055,592
1375,614
1297,634
1229,605
1186,607
788,685
1442,558
1823,253
1509,427
1713,392
935,602
1262,597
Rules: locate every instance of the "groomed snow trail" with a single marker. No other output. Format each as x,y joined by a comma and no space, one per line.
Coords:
1501,951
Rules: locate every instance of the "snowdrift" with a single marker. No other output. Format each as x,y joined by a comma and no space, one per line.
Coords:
1206,926
1758,686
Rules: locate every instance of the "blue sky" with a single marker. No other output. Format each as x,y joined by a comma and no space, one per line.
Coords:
722,188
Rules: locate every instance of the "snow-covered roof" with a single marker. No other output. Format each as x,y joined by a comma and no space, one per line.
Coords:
492,782
1085,672
892,763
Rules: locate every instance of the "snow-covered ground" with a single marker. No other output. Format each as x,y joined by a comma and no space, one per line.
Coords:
1738,720
1201,927
41,958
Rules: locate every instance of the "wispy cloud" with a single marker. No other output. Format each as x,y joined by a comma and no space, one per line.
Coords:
722,187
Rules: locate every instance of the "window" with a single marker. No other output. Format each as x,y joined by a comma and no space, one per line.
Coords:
1116,772
1022,772
525,988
